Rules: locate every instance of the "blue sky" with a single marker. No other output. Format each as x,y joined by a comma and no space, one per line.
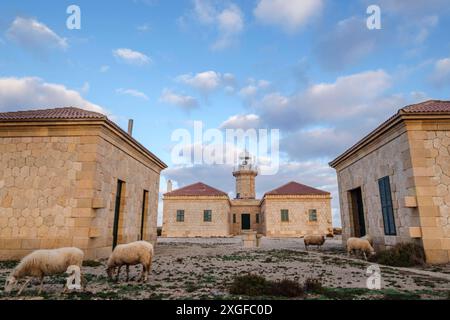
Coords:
310,68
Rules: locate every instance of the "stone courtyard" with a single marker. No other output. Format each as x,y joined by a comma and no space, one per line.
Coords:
203,268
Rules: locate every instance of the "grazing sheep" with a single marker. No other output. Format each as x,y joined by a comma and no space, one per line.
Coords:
139,252
41,263
314,240
369,238
358,244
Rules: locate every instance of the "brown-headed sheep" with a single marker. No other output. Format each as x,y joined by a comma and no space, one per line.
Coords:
314,240
358,244
139,252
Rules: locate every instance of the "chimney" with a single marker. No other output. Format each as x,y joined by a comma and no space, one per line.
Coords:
130,127
169,185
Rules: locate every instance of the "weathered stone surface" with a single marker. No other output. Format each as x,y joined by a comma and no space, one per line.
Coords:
58,189
420,177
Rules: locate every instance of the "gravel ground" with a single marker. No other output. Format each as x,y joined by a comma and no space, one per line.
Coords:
204,268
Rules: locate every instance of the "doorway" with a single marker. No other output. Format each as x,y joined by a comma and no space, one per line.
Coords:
117,212
144,215
357,213
245,220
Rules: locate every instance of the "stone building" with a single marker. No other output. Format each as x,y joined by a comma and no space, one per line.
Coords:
71,177
394,184
292,210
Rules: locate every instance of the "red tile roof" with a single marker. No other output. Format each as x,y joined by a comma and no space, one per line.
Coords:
196,189
428,106
295,188
68,113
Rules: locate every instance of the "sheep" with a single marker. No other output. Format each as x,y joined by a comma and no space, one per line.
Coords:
139,252
369,238
314,240
41,263
359,244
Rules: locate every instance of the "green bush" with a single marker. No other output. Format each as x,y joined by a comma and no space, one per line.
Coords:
401,255
255,285
249,285
313,285
286,288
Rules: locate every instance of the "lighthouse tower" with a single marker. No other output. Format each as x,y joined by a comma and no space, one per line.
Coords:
245,174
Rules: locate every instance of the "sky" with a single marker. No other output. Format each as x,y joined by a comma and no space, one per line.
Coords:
309,68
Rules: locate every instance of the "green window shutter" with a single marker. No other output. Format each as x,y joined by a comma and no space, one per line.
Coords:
284,215
180,215
386,206
207,215
312,215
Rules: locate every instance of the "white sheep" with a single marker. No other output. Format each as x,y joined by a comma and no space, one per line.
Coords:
139,252
358,244
369,238
314,240
41,263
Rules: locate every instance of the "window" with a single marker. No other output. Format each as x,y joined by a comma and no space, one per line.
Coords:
257,218
386,206
312,215
207,215
234,218
284,215
238,195
180,215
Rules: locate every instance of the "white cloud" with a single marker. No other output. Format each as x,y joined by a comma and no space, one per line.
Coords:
248,91
184,101
204,81
290,15
228,21
441,73
412,7
35,93
132,57
34,35
416,31
346,44
143,28
132,92
85,88
253,87
104,68
241,121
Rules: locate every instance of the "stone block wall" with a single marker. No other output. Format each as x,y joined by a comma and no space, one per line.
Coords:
116,161
388,156
240,207
57,185
193,225
430,153
298,224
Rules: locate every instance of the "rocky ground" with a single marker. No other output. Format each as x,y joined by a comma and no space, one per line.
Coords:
204,269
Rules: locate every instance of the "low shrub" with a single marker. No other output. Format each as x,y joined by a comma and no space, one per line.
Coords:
249,285
255,285
313,285
401,255
286,288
